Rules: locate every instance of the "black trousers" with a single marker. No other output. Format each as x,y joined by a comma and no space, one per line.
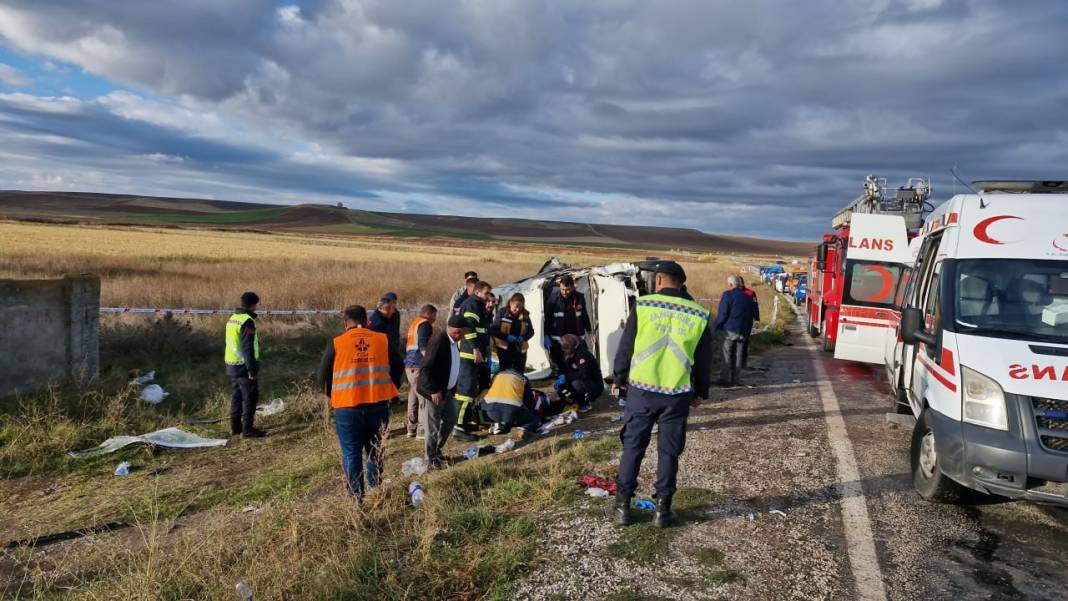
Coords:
643,411
582,391
243,401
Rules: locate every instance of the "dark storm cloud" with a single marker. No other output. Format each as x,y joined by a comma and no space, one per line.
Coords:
759,117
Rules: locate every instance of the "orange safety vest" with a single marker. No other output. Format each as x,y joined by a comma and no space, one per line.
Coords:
413,333
361,369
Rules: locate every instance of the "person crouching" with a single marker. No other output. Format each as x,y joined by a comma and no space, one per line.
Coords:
355,376
508,403
580,381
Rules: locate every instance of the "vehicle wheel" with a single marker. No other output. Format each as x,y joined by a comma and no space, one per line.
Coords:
827,344
927,474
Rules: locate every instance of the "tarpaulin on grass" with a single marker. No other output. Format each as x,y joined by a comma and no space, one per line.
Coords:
167,437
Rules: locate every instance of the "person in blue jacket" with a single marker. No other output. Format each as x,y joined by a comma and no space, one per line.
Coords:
736,314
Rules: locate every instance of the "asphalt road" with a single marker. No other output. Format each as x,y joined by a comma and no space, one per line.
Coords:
794,523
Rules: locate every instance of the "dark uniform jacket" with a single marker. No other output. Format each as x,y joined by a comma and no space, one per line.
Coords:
701,376
566,315
506,324
473,310
248,348
437,365
390,326
585,367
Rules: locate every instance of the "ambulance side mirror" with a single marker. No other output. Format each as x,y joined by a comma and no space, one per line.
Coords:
821,256
912,330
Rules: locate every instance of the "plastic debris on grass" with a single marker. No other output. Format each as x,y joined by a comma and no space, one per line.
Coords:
167,437
416,466
142,380
123,469
591,481
505,446
153,394
275,406
560,420
597,493
645,504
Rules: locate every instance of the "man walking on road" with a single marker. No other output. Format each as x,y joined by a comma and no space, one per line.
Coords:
663,362
756,317
419,333
737,311
242,358
354,375
436,384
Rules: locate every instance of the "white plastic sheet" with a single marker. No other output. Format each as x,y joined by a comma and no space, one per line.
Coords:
275,406
145,379
167,437
153,394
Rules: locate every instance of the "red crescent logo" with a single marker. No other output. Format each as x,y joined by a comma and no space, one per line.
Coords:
1058,246
981,233
888,283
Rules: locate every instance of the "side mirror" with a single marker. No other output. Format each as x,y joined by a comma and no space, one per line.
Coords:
912,330
821,256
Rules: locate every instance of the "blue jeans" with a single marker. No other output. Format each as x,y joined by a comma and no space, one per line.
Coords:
359,430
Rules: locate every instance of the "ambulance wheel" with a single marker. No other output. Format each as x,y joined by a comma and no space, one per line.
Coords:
927,476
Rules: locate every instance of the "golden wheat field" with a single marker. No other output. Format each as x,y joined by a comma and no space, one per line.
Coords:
145,267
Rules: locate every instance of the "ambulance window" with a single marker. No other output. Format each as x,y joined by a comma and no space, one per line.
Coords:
871,284
932,308
906,279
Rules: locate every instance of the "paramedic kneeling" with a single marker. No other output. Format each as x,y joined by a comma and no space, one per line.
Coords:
664,361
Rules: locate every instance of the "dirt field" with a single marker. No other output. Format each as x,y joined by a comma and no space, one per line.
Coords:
190,524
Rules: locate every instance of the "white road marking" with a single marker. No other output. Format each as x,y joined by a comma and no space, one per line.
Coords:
860,542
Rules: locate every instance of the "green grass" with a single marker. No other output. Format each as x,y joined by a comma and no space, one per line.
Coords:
227,218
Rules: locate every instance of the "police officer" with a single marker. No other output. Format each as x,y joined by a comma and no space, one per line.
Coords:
242,358
664,360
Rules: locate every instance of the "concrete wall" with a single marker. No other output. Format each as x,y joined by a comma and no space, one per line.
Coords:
49,332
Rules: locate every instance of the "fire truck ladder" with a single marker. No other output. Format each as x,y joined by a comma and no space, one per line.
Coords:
907,201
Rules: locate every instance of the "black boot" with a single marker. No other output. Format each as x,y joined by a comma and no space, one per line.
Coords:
623,516
664,516
252,432
235,426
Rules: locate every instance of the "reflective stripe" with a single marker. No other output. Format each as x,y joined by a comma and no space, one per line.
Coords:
665,342
473,316
361,383
470,356
506,320
361,370
463,397
480,330
560,314
471,336
660,389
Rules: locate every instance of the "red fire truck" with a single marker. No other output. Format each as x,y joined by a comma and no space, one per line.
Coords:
854,271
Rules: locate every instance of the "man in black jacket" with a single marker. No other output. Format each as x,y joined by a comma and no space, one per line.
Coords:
386,320
565,313
242,358
435,384
580,379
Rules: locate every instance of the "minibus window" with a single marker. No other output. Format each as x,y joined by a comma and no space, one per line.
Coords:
870,283
1016,298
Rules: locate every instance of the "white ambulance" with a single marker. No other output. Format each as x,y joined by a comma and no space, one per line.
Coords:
980,356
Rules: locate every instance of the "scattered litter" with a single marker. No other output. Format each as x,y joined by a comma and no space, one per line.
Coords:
752,517
622,402
560,420
645,504
802,454
415,493
249,509
142,380
617,418
579,434
592,481
153,394
777,512
167,437
275,406
470,453
597,493
416,466
505,446
123,469
243,591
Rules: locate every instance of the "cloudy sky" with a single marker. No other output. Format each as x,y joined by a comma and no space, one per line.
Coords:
759,117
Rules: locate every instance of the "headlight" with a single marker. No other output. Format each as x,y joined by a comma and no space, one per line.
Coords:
984,401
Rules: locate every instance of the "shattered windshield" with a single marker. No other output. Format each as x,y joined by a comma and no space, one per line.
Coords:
1019,298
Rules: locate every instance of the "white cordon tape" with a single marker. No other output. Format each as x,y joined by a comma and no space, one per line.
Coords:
149,310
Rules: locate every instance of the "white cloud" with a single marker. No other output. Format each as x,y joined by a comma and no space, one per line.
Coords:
13,77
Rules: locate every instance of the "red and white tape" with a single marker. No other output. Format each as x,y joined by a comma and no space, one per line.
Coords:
149,310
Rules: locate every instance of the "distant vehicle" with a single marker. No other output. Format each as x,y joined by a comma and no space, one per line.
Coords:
980,356
768,273
801,290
